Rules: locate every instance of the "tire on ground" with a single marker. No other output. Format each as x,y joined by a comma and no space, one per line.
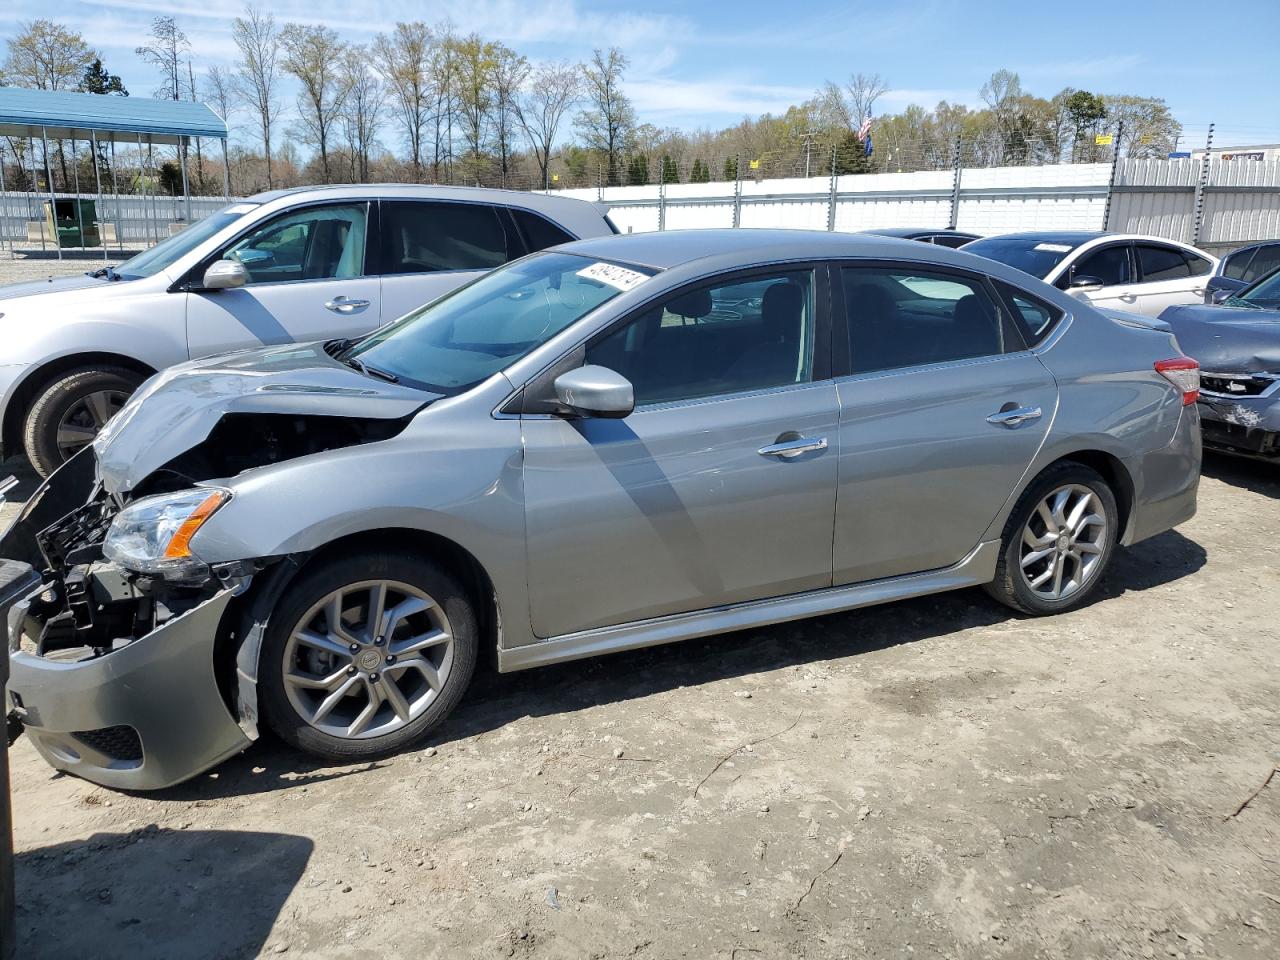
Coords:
57,398
1010,586
315,583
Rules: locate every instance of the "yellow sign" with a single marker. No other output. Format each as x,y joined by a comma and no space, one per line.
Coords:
1103,139
755,164
1145,138
555,178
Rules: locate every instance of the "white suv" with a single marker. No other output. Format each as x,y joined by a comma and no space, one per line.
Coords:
290,265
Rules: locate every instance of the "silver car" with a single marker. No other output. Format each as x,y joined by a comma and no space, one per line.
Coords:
290,265
607,445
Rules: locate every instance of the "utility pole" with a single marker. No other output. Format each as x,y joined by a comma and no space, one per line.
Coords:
807,137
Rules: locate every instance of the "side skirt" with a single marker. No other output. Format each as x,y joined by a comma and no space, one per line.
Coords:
977,568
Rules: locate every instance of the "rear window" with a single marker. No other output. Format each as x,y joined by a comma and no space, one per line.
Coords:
1033,316
1161,263
429,237
1034,255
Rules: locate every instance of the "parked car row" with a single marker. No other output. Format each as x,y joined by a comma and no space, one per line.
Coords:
608,444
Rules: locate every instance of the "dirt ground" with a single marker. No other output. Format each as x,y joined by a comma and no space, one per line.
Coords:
932,778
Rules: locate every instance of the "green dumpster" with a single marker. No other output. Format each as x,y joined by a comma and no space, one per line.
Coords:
74,222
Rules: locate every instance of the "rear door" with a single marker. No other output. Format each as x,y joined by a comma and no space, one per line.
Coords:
1168,276
942,409
307,281
719,488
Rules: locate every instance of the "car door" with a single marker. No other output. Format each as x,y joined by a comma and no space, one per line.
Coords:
1168,276
307,281
718,489
942,409
1111,265
431,247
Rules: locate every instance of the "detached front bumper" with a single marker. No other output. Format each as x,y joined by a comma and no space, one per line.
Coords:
145,716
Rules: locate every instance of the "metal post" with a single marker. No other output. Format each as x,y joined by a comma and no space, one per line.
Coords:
1111,180
226,172
115,187
186,190
599,183
662,196
53,203
147,212
4,206
955,186
97,182
35,187
831,195
75,169
737,191
1201,183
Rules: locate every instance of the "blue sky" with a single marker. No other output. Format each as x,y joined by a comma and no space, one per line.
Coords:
710,63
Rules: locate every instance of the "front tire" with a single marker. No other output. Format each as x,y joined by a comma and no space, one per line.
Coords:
365,654
1057,542
68,413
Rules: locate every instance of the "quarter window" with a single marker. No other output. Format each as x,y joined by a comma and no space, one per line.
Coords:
748,334
1162,263
1035,317
429,237
1109,266
315,243
905,317
539,232
1200,266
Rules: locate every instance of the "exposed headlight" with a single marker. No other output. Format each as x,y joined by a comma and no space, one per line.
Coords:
153,535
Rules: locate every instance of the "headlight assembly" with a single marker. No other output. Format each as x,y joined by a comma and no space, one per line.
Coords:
153,535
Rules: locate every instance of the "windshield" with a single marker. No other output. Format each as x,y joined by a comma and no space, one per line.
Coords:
1034,255
1263,294
150,262
454,343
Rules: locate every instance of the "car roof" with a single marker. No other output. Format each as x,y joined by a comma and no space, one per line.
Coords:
912,232
423,191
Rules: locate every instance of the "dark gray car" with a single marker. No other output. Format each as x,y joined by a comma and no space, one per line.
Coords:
608,445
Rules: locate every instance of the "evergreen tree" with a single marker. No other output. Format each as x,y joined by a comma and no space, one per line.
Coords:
96,79
701,172
731,168
670,173
638,171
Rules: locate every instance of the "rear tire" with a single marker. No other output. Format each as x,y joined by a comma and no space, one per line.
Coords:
336,688
69,411
1058,541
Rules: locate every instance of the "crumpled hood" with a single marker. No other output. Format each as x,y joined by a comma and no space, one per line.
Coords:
179,407
29,288
1228,339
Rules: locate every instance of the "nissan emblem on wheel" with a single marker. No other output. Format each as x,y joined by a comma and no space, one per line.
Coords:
609,444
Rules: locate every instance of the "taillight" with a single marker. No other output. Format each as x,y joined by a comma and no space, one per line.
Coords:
1183,373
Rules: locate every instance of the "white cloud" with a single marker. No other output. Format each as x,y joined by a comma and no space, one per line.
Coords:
671,98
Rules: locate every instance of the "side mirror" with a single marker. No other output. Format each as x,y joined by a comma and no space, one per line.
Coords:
592,391
225,275
1220,296
1085,285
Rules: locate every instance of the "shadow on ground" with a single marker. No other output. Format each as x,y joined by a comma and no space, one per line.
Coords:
1254,475
495,700
156,893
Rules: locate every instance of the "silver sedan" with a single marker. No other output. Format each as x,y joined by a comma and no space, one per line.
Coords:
607,445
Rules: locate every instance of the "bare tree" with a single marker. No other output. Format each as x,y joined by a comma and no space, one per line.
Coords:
552,91
863,92
476,60
165,52
509,73
314,55
360,109
403,57
221,97
258,70
606,124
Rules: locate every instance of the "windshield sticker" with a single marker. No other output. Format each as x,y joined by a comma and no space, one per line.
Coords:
1054,247
618,277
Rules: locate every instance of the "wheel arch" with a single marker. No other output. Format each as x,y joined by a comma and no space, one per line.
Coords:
39,377
1113,470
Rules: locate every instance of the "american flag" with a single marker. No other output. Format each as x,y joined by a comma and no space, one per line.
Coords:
865,129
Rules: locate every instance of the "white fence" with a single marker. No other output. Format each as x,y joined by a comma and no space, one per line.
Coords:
1238,202
139,221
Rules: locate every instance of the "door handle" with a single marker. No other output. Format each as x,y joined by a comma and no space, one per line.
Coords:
1128,297
786,449
1014,417
345,305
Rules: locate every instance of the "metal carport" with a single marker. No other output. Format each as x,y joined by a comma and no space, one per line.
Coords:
62,115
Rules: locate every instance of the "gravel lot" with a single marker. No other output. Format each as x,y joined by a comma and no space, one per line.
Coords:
930,778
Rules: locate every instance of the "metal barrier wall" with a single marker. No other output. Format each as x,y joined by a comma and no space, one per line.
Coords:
138,221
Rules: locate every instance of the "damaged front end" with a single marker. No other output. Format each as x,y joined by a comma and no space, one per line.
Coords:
1240,413
112,672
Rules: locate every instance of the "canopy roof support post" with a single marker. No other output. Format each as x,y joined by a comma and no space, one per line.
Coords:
142,182
226,172
4,206
35,188
97,181
75,169
53,202
115,189
186,189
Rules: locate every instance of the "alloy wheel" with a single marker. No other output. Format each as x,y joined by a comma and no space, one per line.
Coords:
1063,542
367,659
84,418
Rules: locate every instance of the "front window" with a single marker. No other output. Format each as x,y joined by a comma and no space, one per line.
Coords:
1108,266
314,243
167,252
1033,255
456,342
